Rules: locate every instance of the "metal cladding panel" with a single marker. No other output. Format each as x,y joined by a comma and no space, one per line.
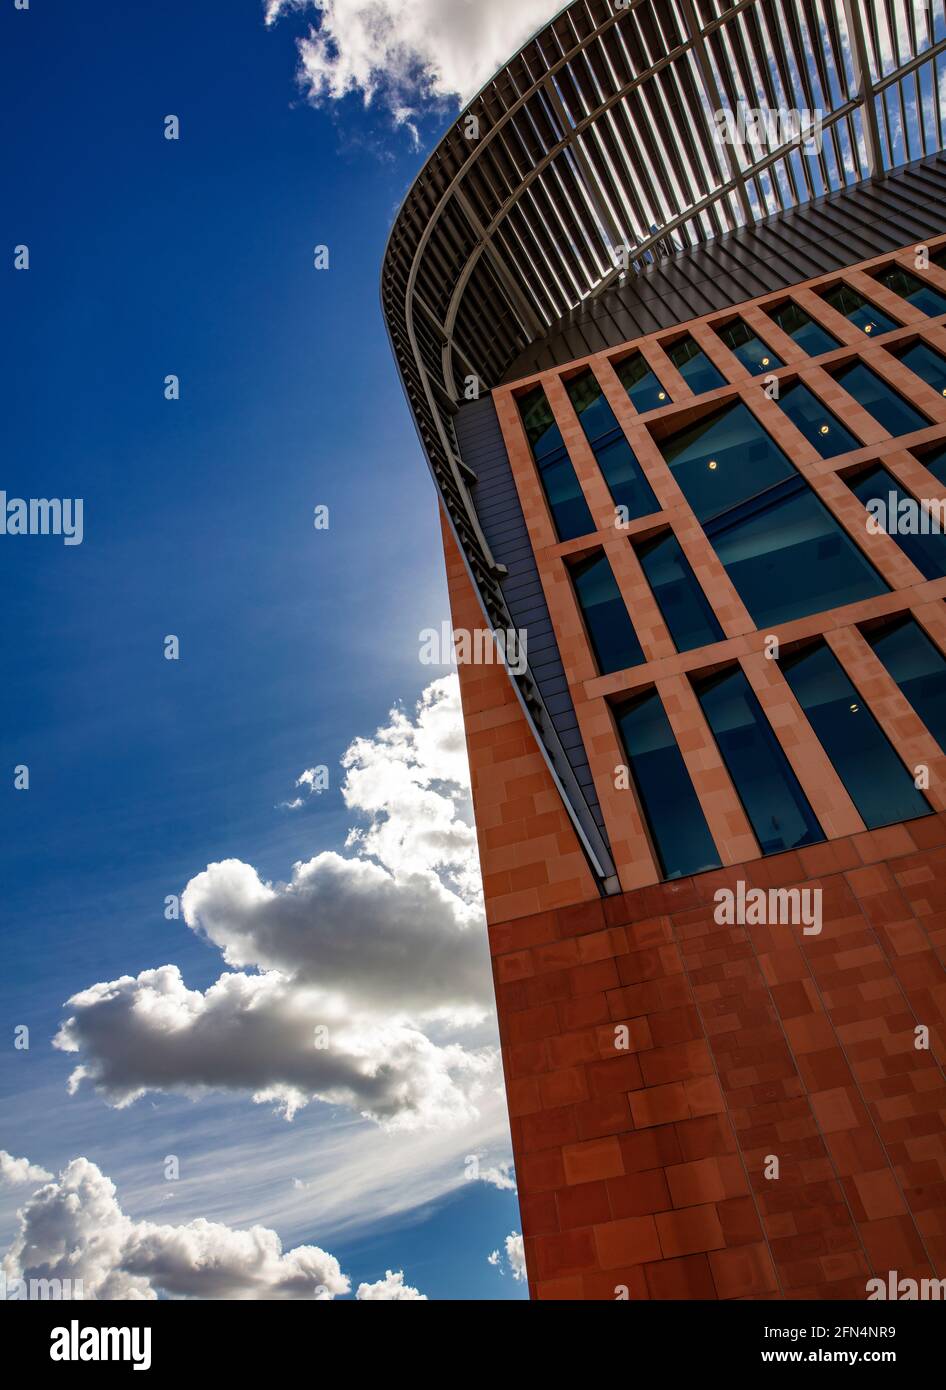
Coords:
497,502
854,225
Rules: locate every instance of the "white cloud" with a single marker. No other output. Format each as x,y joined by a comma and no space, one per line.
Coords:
16,1171
362,961
413,781
391,1289
256,1033
515,1257
314,779
347,927
500,1175
406,51
73,1228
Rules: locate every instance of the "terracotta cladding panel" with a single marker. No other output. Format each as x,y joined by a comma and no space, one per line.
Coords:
529,852
713,1111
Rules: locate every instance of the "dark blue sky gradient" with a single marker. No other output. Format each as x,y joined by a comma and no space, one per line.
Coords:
194,257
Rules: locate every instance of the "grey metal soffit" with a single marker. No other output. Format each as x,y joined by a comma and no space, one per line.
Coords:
599,149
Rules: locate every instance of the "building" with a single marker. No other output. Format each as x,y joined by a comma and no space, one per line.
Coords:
681,382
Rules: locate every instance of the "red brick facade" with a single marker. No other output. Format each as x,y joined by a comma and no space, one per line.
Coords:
645,1167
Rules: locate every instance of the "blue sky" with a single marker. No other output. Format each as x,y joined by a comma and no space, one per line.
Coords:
194,257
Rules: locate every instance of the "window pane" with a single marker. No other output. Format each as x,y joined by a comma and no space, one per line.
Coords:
591,406
928,365
610,630
918,667
641,383
684,606
789,557
816,422
544,434
694,366
876,780
899,514
566,500
777,808
783,550
614,455
858,310
724,458
914,290
800,327
883,402
750,349
676,821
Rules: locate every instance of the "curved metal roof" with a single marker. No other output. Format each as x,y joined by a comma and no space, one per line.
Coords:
595,150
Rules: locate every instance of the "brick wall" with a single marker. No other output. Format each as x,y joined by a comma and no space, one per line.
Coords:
645,1167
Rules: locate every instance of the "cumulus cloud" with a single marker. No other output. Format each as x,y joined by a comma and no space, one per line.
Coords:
391,1289
405,52
16,1171
515,1257
499,1175
263,1034
355,983
73,1229
412,780
346,926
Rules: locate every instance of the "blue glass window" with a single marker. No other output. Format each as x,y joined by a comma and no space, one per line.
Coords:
641,383
563,492
754,355
928,365
876,780
802,329
787,557
694,366
885,404
914,290
782,548
609,444
724,458
673,813
685,608
816,422
774,802
610,629
897,513
858,310
918,667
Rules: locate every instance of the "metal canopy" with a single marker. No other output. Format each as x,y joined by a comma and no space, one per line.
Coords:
596,150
